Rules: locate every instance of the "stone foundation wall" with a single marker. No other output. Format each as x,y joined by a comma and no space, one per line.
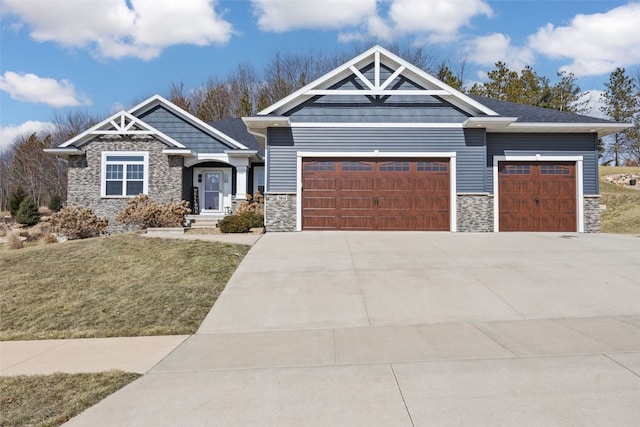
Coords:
474,212
592,214
85,173
280,211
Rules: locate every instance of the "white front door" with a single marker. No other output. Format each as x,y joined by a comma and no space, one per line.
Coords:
211,192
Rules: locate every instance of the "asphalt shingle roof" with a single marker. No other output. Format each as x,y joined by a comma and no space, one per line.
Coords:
236,129
530,114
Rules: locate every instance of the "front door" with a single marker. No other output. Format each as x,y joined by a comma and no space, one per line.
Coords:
211,199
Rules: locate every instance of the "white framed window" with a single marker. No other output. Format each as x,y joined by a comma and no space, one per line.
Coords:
124,173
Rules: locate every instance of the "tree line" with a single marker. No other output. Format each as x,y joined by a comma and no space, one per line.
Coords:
245,91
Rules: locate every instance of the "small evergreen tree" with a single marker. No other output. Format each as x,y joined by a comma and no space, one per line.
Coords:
15,200
56,203
28,213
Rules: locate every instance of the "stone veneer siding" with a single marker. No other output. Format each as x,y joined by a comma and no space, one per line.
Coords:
85,172
592,214
474,212
280,211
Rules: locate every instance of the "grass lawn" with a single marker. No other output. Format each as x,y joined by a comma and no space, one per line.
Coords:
51,400
623,205
123,285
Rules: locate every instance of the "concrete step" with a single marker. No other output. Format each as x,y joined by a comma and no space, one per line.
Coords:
197,221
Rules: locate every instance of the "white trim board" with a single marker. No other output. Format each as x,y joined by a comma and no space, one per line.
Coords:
540,158
380,154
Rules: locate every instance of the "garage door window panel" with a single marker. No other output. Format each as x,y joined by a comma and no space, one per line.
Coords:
432,167
394,167
320,166
352,166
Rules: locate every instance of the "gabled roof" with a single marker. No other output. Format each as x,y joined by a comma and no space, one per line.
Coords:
157,100
493,115
379,57
128,123
121,123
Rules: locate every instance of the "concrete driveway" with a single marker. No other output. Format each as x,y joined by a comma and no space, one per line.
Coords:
408,329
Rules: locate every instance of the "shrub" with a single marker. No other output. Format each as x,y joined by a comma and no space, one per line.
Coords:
14,241
56,203
143,212
235,224
15,200
241,223
256,219
28,213
76,222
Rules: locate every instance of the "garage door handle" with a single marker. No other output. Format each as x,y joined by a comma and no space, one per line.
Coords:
375,201
537,200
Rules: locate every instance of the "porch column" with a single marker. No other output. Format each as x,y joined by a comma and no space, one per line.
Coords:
242,168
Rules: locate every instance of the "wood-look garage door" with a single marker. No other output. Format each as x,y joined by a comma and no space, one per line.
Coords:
537,196
380,194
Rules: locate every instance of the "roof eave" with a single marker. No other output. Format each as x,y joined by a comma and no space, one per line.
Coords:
602,129
179,152
490,123
64,151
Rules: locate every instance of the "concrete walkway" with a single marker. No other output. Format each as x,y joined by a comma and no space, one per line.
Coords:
407,329
43,357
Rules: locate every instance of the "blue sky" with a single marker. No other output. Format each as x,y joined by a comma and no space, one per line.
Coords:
104,55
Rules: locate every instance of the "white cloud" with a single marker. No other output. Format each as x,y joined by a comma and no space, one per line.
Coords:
435,20
286,15
8,134
119,28
31,88
440,19
596,44
487,50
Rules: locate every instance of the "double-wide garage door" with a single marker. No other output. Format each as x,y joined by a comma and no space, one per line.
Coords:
375,194
537,196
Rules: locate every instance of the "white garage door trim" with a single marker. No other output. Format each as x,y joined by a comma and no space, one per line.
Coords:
373,154
540,158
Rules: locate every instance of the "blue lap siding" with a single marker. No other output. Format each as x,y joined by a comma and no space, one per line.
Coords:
474,150
284,144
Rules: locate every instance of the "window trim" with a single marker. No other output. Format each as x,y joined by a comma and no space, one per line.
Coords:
103,175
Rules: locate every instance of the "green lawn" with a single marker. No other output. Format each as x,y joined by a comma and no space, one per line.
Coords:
623,205
123,285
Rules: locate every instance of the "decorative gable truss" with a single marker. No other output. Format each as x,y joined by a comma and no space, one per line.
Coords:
380,85
122,123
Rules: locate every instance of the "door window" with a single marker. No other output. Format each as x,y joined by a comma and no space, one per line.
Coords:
212,190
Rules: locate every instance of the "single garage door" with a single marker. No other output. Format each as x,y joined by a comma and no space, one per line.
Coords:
537,196
380,194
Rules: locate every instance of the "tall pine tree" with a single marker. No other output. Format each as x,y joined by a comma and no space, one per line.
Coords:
620,103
